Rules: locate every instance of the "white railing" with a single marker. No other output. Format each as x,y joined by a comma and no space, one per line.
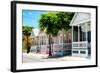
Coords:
83,44
62,46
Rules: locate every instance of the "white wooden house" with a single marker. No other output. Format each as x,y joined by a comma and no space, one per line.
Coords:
81,34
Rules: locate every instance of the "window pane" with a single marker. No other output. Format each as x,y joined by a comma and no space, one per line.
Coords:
75,51
75,33
82,52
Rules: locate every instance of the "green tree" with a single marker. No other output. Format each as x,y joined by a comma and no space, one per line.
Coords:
48,24
64,19
26,33
53,22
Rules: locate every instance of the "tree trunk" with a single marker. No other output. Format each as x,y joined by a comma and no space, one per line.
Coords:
28,47
50,54
52,45
63,38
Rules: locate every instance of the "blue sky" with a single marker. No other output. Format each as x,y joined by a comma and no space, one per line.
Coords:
31,17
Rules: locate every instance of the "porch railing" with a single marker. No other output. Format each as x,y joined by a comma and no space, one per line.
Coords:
83,44
62,46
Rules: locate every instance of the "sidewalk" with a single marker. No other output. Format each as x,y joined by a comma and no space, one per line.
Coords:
36,55
31,57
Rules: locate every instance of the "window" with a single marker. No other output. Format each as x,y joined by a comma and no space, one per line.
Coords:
82,52
75,33
75,51
82,32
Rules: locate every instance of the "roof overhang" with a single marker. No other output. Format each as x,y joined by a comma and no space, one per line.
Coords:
80,18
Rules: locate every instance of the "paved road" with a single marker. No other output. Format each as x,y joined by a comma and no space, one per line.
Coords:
31,57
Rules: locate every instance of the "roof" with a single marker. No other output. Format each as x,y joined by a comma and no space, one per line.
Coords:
79,18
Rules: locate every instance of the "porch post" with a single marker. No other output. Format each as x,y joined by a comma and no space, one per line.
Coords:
78,33
86,34
72,33
86,39
86,31
72,40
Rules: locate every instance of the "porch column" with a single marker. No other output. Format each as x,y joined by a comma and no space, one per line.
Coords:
86,31
78,34
86,34
72,33
86,38
72,36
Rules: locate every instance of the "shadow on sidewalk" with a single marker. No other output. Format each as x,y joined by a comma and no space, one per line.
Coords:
57,56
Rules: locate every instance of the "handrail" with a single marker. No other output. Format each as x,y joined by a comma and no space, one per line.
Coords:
83,44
